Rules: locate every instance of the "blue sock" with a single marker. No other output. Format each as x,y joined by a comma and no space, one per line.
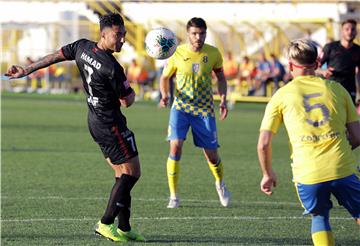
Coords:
320,223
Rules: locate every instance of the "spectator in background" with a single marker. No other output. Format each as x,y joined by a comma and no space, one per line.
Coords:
138,75
131,71
263,73
342,58
231,67
57,79
277,72
231,71
35,81
247,74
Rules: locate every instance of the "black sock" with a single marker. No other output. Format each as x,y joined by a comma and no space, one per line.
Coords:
127,183
112,209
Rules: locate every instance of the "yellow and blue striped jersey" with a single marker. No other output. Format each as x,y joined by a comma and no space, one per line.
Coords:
315,112
193,90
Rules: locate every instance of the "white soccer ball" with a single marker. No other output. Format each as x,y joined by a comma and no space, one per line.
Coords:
160,43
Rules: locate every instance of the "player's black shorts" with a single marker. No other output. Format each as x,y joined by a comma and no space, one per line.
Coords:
116,142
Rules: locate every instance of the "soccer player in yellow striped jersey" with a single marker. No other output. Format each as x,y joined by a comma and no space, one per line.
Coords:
193,64
323,128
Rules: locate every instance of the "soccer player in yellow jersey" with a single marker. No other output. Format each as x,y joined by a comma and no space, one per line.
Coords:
323,128
193,64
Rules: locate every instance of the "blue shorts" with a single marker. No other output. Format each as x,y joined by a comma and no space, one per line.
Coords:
203,128
315,198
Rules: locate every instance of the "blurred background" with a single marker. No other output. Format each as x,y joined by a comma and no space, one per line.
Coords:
248,33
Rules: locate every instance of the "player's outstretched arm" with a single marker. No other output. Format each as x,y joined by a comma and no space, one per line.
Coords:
19,71
264,154
222,88
164,90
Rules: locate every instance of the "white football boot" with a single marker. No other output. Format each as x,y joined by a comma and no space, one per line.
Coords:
173,203
223,192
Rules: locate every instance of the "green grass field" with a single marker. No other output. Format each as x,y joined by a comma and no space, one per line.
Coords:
55,182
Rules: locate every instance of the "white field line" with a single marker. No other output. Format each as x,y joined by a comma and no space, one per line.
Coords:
149,200
246,218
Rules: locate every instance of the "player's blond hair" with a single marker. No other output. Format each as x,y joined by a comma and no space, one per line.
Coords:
303,51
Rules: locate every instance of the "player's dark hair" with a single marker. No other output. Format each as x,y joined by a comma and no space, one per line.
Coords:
196,22
351,21
110,20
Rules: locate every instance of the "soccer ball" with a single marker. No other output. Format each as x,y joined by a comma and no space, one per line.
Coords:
160,43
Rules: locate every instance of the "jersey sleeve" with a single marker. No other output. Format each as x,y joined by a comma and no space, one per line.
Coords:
169,68
69,51
119,82
273,115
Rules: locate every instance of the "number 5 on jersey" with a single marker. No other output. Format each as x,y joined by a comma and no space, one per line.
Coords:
309,107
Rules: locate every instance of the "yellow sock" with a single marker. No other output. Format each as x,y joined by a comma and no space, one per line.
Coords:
323,238
217,170
173,169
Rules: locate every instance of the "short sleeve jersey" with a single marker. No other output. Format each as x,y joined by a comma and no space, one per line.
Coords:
103,78
344,61
193,92
315,112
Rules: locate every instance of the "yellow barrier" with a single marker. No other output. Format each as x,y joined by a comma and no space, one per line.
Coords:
239,98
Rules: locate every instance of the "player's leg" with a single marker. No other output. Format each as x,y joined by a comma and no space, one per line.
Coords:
129,174
217,170
347,192
178,128
119,203
173,169
120,151
315,198
321,233
215,164
205,136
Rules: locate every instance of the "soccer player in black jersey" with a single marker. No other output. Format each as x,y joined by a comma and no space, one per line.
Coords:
342,58
107,89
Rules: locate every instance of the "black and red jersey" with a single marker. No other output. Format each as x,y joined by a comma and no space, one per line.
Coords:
344,61
103,78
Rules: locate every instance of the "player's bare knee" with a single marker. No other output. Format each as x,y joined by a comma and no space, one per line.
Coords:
175,149
214,161
212,157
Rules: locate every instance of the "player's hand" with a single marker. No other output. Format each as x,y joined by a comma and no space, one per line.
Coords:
164,101
223,110
15,72
268,182
329,72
